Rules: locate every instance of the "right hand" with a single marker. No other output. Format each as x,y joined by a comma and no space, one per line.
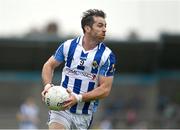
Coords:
45,90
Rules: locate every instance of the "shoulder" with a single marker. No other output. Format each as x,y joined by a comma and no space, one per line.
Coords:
66,42
73,40
107,51
67,45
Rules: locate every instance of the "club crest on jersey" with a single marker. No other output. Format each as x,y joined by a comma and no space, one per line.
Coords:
95,64
113,68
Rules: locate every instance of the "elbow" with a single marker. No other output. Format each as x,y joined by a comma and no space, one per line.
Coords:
106,93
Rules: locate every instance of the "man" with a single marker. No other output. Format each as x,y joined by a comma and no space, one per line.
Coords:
87,74
28,115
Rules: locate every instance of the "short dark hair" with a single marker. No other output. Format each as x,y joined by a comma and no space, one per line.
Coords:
87,18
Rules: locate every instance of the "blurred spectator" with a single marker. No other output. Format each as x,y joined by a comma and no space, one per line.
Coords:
170,120
52,28
133,36
28,114
52,31
170,111
131,117
49,33
106,124
162,103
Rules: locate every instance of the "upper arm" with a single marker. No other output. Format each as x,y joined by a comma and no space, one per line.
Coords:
106,73
52,62
108,68
107,81
57,58
62,51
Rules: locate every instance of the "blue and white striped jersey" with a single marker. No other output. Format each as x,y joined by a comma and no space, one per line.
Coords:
82,69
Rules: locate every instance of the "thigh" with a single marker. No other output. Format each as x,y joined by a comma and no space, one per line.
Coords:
82,121
55,125
59,120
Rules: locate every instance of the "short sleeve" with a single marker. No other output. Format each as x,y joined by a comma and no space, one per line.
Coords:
108,68
59,55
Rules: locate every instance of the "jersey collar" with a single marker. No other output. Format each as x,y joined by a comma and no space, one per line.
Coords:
79,41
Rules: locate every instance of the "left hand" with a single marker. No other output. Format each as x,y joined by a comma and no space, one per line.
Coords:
70,101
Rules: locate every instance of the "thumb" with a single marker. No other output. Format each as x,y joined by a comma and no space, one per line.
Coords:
69,90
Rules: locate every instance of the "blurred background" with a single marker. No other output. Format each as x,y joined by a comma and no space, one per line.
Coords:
144,35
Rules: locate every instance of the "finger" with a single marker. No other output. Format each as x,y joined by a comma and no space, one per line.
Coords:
67,104
43,99
47,88
67,101
43,93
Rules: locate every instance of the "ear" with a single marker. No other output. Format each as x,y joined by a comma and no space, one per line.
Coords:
87,28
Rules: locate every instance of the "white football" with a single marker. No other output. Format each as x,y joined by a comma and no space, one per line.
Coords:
55,97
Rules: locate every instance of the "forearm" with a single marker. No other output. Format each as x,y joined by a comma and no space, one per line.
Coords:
102,91
48,70
98,93
47,74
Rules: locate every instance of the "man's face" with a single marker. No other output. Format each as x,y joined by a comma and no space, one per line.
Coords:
98,29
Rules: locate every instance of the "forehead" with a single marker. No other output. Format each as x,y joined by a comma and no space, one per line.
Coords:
98,20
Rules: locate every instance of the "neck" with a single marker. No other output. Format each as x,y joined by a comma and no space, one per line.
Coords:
88,43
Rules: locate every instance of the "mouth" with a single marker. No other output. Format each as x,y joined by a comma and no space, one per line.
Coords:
103,35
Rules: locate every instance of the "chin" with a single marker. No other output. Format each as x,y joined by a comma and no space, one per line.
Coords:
101,38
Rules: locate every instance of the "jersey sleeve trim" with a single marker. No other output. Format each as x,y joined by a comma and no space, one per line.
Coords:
59,55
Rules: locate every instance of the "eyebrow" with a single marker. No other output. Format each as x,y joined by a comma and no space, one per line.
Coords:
101,23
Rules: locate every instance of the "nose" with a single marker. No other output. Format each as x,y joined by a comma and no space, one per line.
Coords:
104,29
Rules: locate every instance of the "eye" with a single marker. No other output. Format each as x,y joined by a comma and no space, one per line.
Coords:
100,25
